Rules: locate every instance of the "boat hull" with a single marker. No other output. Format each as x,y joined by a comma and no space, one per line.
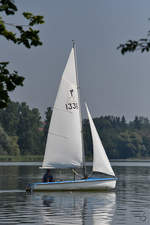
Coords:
103,184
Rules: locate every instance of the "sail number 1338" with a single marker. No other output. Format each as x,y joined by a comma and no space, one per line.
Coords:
72,105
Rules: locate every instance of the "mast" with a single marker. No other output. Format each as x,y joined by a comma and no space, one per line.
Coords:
78,88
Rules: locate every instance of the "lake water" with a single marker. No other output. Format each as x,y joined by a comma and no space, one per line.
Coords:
129,204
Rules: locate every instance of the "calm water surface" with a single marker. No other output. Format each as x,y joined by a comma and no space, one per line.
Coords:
129,204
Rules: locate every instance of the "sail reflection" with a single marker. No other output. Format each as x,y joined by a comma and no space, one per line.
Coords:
77,208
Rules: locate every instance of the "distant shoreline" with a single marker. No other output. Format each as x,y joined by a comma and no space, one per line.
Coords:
39,158
130,160
22,158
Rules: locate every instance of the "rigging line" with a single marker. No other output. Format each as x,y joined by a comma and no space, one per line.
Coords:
76,173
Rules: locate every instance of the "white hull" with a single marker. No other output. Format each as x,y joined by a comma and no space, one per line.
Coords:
103,184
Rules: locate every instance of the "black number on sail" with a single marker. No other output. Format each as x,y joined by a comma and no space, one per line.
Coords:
70,106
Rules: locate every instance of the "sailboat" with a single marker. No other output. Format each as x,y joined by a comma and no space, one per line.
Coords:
64,147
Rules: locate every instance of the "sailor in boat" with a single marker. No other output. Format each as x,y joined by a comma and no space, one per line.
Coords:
47,176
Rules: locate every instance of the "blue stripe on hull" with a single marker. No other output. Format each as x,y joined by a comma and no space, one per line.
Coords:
92,179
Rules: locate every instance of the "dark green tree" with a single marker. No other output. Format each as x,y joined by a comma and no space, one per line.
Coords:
123,122
142,45
9,118
137,123
131,145
48,115
18,120
29,135
8,144
18,34
120,139
88,147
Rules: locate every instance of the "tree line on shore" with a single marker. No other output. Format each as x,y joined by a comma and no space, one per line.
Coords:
22,132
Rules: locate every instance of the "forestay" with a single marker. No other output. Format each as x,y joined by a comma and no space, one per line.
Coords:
100,160
64,143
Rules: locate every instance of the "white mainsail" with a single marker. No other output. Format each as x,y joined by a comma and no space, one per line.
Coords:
64,141
100,160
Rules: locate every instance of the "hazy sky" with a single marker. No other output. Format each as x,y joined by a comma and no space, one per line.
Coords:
111,84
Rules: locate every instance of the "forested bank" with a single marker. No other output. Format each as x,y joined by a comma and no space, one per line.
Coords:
23,133
121,140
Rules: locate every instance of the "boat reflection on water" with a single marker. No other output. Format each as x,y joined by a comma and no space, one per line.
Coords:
77,207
